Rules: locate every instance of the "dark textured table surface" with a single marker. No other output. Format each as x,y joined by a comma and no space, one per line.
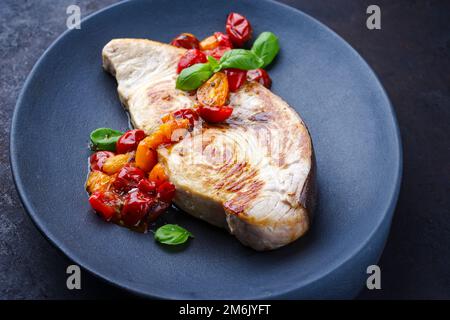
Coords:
411,56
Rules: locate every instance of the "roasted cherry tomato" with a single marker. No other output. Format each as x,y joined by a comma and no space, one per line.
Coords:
98,159
216,45
217,53
214,92
128,178
188,114
238,28
186,40
236,78
158,174
218,39
104,203
156,209
261,76
114,164
136,206
223,40
190,58
98,181
147,186
209,43
129,140
166,191
215,114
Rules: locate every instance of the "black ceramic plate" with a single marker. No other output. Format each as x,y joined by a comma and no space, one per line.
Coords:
352,125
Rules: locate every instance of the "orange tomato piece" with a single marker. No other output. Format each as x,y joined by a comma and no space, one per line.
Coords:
167,117
115,163
99,181
209,43
146,155
167,130
214,92
158,137
158,174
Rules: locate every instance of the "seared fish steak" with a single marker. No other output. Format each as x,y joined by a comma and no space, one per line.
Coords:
253,174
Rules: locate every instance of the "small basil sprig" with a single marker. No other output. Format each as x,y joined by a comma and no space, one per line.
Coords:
240,59
172,234
193,77
266,47
214,64
105,139
262,53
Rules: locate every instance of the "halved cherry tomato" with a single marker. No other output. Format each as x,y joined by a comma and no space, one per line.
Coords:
261,76
98,181
98,159
128,178
147,186
186,40
188,114
236,78
104,203
218,39
214,92
129,140
215,114
158,174
156,209
238,28
217,53
114,164
136,206
190,58
209,43
216,45
223,40
166,191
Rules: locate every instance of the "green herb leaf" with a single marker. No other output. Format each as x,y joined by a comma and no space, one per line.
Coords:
105,139
214,64
172,234
193,77
266,47
240,59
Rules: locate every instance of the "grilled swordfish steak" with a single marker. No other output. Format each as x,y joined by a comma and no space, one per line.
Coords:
253,174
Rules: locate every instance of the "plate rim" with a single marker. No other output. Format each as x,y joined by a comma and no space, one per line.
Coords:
385,217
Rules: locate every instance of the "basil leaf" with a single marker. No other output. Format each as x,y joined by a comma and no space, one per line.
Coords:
266,47
240,59
193,77
105,139
172,234
214,64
